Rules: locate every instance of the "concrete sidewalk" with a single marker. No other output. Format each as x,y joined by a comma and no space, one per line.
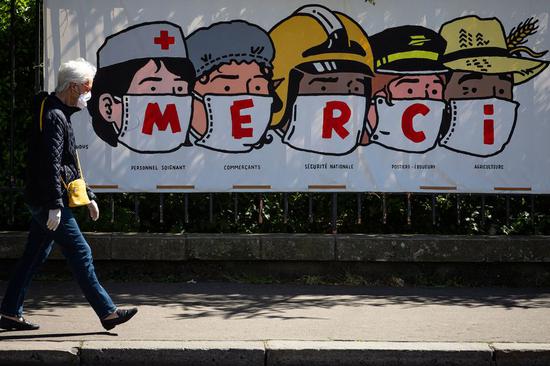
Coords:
239,324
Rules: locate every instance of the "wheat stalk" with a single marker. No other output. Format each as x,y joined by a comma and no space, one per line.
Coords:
518,35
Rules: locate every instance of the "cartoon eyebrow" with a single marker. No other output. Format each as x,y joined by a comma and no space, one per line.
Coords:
361,80
149,79
409,80
467,77
326,80
224,76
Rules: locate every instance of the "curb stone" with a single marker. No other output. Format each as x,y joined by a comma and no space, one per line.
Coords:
272,353
196,353
39,353
516,354
297,353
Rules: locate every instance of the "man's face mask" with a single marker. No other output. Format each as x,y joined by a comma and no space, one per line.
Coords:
410,125
480,127
326,124
155,123
235,123
83,99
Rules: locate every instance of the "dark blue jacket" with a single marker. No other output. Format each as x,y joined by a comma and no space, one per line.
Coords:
52,154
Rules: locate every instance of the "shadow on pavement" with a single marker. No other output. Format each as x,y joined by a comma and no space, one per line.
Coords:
245,301
16,335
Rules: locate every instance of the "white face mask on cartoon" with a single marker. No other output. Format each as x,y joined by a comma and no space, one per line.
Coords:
410,125
155,123
480,127
235,123
326,124
83,99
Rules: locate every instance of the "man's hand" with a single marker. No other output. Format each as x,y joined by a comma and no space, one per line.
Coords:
54,218
94,210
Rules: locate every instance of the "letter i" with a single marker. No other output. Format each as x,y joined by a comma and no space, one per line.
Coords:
488,125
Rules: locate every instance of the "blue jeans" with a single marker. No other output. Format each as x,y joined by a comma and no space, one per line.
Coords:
75,249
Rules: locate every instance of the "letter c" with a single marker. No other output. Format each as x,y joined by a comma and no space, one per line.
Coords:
407,122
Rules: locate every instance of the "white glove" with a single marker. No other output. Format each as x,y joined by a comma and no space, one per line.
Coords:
54,218
94,210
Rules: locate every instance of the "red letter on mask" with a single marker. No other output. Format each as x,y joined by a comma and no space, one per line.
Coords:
488,125
153,116
331,122
237,119
407,122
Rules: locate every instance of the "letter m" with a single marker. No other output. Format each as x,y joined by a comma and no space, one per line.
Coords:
153,116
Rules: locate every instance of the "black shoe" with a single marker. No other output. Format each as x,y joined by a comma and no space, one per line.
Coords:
22,324
123,316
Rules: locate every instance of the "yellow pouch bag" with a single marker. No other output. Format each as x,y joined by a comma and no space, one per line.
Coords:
76,189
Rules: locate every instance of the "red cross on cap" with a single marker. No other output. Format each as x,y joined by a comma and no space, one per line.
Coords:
164,40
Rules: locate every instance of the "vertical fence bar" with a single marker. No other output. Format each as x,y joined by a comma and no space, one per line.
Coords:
384,210
236,207
210,208
261,209
310,208
285,208
434,208
507,198
112,198
38,81
409,209
334,212
532,204
359,208
186,207
483,211
458,209
136,208
161,208
12,110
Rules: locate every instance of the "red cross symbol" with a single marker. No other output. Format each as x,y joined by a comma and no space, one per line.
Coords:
164,40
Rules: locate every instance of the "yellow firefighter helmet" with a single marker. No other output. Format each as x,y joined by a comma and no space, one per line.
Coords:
316,38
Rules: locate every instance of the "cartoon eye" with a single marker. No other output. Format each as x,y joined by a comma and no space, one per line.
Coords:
323,88
180,88
474,90
410,91
153,88
258,88
501,91
356,88
227,88
434,92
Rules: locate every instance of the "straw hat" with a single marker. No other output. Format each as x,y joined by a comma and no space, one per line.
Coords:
480,45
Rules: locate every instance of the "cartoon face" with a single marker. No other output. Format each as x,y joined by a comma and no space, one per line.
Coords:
229,79
471,85
482,113
333,83
403,87
150,79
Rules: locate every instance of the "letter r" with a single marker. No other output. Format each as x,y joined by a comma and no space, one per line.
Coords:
336,123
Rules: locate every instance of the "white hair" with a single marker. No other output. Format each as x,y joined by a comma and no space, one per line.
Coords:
77,71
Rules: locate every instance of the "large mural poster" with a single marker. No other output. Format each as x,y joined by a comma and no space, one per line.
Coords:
257,95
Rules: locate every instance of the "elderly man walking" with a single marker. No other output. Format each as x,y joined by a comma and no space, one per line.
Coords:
52,165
